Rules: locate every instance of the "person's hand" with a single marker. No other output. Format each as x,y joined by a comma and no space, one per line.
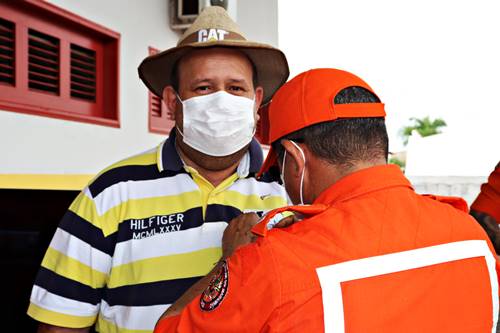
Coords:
287,221
282,220
238,233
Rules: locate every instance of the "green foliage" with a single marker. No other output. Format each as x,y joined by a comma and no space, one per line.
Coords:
424,127
398,162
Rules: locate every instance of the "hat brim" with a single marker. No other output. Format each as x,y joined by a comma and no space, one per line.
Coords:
270,161
270,64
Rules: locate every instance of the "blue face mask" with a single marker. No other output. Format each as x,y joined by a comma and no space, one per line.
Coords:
282,175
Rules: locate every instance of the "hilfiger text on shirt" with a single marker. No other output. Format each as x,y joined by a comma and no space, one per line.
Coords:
154,225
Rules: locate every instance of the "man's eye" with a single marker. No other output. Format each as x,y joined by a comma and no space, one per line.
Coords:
203,88
236,88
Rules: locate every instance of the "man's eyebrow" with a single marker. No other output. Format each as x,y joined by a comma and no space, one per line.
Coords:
201,80
243,81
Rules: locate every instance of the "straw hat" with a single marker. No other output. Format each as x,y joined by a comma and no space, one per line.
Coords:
214,28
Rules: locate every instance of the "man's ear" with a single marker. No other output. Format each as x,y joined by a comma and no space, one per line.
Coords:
295,157
170,100
259,95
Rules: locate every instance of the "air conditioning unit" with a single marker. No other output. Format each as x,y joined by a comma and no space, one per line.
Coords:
184,12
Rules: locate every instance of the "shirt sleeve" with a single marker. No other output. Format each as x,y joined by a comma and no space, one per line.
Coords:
68,287
243,296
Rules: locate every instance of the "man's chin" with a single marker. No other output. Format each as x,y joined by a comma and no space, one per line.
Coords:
212,163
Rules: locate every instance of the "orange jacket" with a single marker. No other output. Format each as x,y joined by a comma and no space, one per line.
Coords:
372,256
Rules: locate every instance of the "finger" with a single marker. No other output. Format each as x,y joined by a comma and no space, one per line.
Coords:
286,222
252,218
247,221
244,219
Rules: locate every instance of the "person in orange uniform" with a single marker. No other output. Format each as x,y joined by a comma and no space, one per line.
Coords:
486,207
368,254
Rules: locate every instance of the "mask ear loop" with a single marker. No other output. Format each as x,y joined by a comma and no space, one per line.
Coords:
283,170
303,171
254,120
182,103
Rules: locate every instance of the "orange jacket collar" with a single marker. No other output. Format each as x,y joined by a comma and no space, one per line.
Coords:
351,186
362,182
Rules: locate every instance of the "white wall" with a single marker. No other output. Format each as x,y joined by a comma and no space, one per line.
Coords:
33,145
431,156
38,145
427,57
258,19
465,187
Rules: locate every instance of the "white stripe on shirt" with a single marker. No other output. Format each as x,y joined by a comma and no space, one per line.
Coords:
47,300
133,317
77,249
208,235
143,189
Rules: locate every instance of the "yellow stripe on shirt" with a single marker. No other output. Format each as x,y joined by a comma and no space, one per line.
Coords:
105,326
146,207
84,207
73,269
254,202
177,266
141,159
59,319
207,189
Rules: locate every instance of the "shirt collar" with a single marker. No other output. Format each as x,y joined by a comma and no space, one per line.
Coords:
362,182
167,156
256,156
169,159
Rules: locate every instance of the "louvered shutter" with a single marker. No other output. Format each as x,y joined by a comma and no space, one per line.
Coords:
56,64
159,120
43,62
156,106
83,73
7,52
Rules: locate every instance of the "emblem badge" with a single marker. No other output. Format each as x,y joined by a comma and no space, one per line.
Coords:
216,290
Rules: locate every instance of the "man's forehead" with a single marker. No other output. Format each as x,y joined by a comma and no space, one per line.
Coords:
205,55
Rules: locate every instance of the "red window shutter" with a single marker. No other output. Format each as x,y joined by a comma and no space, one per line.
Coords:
83,73
160,121
156,106
43,62
7,52
56,64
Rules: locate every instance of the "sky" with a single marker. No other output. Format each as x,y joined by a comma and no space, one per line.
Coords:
422,58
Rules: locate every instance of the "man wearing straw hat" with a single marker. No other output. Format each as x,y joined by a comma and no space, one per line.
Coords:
148,227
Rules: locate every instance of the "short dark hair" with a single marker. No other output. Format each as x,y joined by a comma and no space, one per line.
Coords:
346,141
175,74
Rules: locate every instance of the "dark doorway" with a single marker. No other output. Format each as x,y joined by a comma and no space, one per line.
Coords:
28,221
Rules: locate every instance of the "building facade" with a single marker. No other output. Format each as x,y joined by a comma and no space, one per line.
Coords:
72,103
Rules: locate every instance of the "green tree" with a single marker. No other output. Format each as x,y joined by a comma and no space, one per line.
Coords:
401,164
424,126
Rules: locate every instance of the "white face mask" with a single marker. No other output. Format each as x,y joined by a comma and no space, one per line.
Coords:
301,176
218,124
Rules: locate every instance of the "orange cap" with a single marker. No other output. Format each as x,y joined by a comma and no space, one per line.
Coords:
308,99
488,201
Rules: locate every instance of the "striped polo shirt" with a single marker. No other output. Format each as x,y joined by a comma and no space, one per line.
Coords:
138,236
